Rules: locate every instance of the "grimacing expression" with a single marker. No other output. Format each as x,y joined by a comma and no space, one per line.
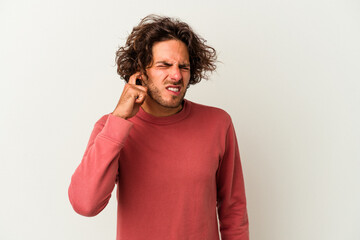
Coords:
168,75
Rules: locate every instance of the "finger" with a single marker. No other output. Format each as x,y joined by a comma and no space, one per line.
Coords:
141,88
134,90
132,79
141,98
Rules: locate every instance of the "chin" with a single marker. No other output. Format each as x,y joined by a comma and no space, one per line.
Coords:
172,103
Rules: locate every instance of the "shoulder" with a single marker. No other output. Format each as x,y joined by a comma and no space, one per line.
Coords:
210,113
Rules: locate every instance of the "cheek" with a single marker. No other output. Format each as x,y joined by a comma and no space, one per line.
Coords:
157,76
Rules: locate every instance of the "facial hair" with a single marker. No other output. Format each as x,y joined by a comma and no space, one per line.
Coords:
155,94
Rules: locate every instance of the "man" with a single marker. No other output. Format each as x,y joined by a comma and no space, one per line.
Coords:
176,163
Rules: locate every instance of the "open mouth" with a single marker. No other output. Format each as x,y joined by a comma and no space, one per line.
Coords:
174,89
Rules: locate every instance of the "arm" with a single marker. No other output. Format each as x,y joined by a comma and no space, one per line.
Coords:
94,179
231,201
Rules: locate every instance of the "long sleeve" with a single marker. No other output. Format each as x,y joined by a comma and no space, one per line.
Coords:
94,179
231,201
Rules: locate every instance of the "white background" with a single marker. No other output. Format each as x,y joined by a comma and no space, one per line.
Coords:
289,77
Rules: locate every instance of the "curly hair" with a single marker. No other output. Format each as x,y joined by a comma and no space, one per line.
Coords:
136,55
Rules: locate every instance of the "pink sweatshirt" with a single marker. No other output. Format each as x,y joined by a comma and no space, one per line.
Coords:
172,173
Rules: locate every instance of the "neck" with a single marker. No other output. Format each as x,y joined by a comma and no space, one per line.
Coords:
157,110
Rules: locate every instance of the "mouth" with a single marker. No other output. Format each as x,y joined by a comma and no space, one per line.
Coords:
174,89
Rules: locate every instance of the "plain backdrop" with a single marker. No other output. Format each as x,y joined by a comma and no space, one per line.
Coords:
289,77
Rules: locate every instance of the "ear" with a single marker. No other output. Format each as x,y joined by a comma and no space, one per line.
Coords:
144,76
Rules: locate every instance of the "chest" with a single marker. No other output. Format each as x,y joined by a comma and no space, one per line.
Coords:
188,155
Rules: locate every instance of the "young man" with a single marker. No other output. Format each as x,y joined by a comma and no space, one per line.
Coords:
176,163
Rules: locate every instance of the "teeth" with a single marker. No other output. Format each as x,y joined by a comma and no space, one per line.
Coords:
173,89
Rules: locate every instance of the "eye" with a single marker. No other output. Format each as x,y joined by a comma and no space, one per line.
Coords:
164,65
185,68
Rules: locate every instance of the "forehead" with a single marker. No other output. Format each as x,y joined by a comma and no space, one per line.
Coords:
170,50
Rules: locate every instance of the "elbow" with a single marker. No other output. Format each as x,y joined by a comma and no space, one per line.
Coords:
84,206
85,211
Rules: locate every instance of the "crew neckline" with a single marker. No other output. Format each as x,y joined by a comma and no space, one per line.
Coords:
184,112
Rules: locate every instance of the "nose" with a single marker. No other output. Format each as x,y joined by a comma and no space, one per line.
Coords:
175,73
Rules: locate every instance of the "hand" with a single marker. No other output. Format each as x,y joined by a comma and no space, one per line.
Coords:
132,97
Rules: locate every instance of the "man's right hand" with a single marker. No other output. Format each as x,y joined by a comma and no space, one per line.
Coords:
132,97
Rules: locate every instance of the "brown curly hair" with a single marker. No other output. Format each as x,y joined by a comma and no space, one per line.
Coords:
136,55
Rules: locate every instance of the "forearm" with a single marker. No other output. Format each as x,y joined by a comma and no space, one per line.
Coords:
232,210
94,179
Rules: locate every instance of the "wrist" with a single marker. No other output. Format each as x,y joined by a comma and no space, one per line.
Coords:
119,115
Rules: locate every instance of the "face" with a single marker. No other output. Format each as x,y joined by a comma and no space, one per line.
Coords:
168,76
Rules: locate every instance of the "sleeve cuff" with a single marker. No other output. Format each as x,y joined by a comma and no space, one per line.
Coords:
116,129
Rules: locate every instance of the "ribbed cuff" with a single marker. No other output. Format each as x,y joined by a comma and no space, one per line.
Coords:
116,129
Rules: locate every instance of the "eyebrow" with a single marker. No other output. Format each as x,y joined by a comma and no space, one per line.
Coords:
169,64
